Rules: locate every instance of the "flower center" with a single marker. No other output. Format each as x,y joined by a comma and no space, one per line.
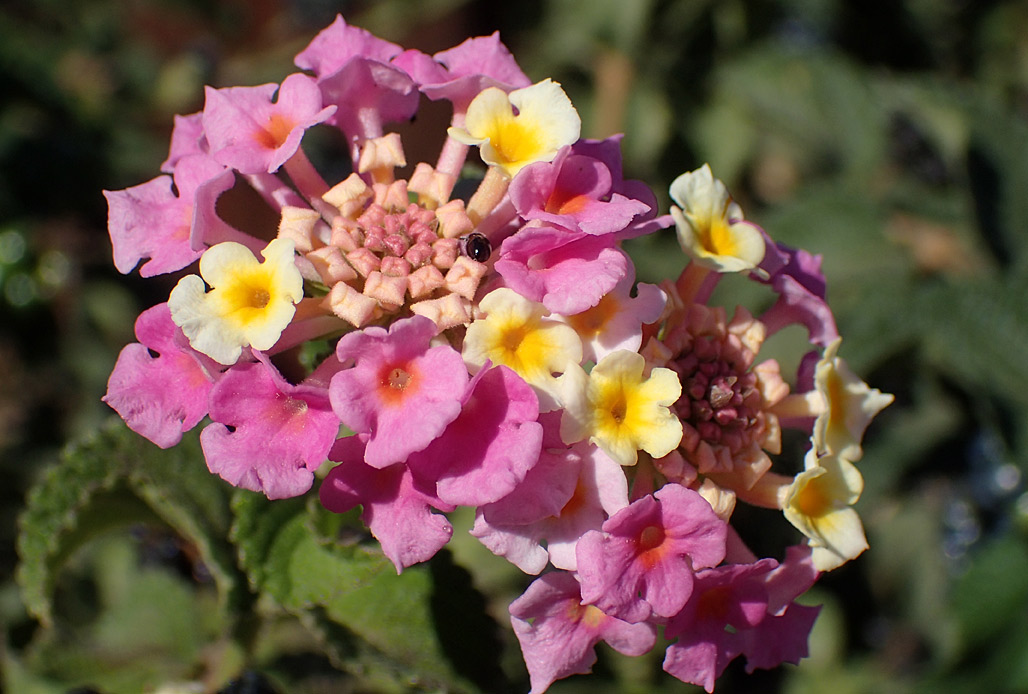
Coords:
398,379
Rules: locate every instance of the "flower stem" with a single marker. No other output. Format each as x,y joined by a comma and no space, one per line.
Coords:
490,191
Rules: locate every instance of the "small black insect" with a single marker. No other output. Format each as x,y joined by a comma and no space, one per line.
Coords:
475,246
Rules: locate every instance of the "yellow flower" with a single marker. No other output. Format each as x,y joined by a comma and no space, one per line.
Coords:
250,302
619,410
518,333
545,121
819,503
710,224
849,406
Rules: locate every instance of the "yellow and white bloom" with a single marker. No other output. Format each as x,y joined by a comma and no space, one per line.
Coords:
250,302
819,503
519,334
710,224
619,409
545,121
849,406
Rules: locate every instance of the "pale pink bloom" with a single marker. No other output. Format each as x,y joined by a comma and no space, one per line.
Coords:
570,491
187,138
268,435
338,44
160,397
642,562
616,322
401,392
558,634
396,511
249,132
150,221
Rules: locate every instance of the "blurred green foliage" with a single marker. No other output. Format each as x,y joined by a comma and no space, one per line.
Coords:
890,137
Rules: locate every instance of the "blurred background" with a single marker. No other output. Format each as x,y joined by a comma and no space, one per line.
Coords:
890,136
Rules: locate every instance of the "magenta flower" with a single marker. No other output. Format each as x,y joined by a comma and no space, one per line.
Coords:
460,73
573,192
558,634
742,609
401,392
160,397
800,284
724,601
249,132
268,435
150,221
490,447
566,271
398,514
642,562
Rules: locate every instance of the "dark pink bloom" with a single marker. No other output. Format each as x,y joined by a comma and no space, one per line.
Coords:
398,514
724,601
249,132
159,397
608,151
743,609
460,73
574,192
558,634
800,285
642,562
487,451
150,221
268,435
566,271
401,392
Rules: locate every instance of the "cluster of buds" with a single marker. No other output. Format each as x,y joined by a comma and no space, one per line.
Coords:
496,353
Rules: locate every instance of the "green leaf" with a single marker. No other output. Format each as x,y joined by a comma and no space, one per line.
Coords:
349,593
116,479
993,592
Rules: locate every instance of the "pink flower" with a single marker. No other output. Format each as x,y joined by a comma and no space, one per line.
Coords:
160,397
460,73
353,71
570,491
642,562
398,514
187,138
800,284
150,221
742,609
724,601
338,44
490,447
249,132
566,271
401,392
574,192
558,634
268,435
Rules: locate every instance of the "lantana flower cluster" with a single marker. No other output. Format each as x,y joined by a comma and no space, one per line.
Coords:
411,351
